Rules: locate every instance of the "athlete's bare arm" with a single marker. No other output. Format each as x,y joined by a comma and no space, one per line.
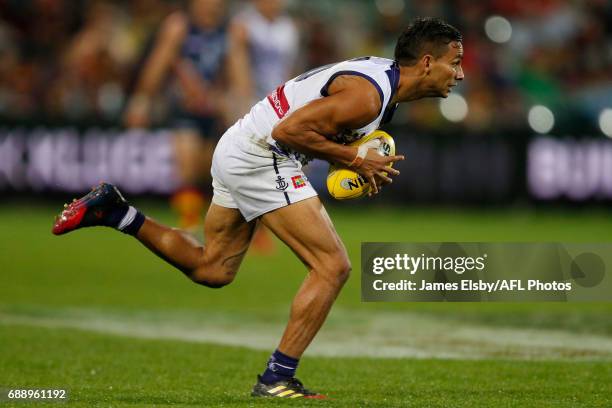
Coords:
353,102
157,66
239,64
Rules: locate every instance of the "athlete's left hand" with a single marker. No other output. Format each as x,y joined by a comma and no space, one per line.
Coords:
380,182
375,169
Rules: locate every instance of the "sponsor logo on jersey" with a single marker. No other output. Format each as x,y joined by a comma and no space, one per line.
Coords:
281,184
279,102
298,181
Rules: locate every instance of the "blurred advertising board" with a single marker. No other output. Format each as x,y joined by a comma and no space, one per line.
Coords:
569,168
68,160
444,168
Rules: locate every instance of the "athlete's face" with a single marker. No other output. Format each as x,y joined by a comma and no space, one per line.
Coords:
207,13
445,71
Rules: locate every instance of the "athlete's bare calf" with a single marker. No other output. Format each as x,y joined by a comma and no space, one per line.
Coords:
215,264
315,241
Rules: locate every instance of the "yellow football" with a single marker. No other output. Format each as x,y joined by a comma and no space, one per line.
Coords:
345,184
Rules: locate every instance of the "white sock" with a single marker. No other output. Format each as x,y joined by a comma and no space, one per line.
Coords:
128,218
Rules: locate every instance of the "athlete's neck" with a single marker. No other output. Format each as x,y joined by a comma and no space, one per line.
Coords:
408,88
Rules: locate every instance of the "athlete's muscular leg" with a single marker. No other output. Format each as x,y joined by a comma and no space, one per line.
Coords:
226,239
306,228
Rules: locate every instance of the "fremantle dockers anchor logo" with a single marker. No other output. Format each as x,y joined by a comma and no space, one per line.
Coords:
281,184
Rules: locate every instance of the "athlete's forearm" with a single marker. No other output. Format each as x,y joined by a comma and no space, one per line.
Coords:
315,145
155,70
164,55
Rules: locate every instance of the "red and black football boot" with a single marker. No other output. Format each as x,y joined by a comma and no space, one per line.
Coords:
291,388
104,205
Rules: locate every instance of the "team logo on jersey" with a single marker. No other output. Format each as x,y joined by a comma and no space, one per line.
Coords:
281,184
298,181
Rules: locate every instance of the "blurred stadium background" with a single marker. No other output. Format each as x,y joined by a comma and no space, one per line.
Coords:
520,151
532,121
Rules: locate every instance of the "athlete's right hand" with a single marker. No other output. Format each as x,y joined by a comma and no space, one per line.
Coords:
374,169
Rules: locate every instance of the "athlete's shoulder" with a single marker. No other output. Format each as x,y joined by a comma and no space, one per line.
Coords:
357,96
376,70
370,61
370,67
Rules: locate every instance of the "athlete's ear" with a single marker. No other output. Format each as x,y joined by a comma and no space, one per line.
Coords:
426,61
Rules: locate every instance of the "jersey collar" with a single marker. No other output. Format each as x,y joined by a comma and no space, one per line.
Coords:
393,73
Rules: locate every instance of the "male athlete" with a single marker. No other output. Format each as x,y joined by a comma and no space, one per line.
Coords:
191,48
257,176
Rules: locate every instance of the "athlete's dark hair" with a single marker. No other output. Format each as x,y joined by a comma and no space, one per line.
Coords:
424,36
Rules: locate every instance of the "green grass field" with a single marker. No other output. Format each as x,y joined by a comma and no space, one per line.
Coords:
93,312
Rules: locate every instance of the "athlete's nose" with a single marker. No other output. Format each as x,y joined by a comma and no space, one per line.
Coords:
459,75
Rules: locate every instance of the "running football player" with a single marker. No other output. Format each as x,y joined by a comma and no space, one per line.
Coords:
257,175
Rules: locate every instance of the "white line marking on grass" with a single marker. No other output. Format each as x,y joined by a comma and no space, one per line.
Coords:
346,334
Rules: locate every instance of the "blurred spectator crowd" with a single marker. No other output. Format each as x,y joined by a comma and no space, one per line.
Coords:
78,60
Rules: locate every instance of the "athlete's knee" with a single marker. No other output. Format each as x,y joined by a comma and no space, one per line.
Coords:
211,280
214,283
212,275
336,269
344,269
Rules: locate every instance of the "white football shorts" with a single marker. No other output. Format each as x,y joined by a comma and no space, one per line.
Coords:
253,179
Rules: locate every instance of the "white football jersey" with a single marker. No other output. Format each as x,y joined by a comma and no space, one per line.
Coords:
258,123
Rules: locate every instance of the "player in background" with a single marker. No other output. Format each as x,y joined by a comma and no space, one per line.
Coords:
191,50
264,45
264,42
257,175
